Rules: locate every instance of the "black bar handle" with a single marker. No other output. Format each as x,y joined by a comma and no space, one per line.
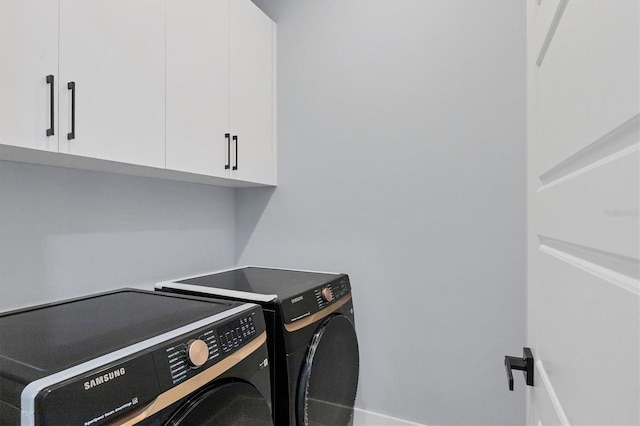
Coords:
72,86
235,139
524,364
51,129
228,165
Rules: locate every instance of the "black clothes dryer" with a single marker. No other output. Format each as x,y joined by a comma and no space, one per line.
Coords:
312,341
135,357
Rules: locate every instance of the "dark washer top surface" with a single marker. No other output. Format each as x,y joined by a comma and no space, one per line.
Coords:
283,283
54,337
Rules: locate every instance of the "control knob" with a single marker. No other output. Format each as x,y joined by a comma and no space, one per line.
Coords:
327,294
197,352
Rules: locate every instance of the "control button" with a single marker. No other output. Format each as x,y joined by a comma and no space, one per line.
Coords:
327,294
197,352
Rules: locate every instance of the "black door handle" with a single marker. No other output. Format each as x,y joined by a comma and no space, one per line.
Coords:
228,165
524,364
51,129
72,86
235,139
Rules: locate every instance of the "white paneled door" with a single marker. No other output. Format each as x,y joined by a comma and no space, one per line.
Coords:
583,211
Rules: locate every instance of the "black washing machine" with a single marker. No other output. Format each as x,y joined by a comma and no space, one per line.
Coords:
312,340
135,357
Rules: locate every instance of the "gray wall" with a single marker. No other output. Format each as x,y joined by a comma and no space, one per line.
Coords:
65,233
402,162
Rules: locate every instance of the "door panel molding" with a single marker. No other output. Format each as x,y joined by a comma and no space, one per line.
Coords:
613,268
551,31
617,143
551,393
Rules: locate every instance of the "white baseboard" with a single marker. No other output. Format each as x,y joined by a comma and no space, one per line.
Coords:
369,418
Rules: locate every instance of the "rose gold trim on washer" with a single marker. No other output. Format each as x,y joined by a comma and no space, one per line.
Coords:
189,386
295,326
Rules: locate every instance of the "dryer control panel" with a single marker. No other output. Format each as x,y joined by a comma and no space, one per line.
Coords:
306,304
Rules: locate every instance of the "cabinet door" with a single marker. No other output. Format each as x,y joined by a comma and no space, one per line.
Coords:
252,92
114,51
28,53
197,86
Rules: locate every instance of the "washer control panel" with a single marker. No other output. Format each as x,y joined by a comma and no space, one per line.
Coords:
179,356
315,300
189,355
236,333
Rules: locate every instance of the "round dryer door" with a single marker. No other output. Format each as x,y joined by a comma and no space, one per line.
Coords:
329,376
235,403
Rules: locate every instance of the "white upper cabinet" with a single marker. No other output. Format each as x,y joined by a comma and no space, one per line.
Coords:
220,90
184,87
28,54
114,53
252,90
197,86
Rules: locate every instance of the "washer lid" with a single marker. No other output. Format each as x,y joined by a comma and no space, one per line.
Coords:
38,341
